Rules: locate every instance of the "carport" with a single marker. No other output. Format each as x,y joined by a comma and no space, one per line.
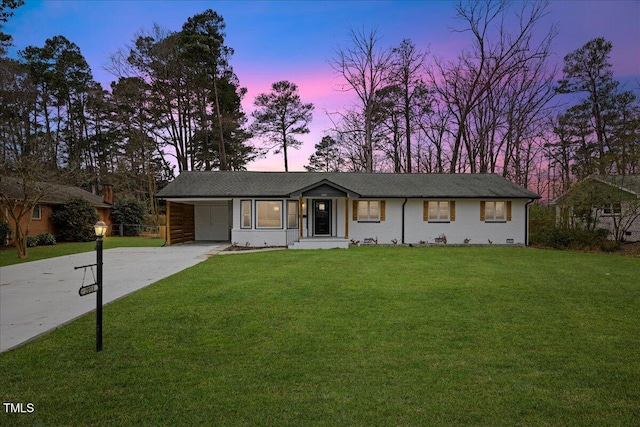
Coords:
199,220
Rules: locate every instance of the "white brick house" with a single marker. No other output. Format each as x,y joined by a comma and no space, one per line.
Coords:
326,210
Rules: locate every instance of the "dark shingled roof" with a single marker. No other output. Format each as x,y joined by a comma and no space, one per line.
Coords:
54,194
629,183
287,184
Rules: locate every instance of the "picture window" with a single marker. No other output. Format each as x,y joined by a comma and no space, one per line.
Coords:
269,214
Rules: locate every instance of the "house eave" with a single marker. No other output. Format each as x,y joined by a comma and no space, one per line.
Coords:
282,185
178,199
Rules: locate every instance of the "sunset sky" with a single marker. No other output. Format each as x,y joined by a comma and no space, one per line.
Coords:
294,40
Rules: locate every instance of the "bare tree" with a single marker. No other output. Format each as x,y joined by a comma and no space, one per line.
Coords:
390,127
349,131
434,125
527,109
365,67
407,68
477,89
18,197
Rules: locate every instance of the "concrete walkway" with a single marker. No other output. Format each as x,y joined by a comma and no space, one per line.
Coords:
39,296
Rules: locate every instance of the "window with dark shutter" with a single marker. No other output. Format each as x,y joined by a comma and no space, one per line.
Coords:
495,211
369,210
438,211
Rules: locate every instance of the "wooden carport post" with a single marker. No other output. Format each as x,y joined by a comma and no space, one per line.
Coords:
346,217
168,224
300,215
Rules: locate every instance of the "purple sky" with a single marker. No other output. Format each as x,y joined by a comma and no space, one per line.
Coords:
294,40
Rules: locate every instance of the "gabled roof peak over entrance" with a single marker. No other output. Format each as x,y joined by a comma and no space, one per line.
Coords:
324,188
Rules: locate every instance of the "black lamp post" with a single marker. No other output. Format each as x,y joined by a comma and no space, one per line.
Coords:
101,231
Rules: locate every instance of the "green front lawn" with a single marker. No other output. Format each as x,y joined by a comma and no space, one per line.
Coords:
367,336
9,256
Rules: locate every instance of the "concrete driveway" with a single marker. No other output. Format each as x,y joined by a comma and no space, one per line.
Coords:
39,296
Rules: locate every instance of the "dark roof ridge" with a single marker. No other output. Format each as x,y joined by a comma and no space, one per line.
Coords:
283,184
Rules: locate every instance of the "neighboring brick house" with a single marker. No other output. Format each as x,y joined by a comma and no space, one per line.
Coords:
55,195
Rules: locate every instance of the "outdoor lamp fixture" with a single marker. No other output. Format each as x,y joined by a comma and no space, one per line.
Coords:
101,228
101,231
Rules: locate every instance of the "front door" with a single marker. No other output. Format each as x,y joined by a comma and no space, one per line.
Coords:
322,217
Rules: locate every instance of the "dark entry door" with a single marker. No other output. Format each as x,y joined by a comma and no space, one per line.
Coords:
322,217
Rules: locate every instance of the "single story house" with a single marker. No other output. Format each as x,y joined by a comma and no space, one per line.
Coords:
327,210
54,194
615,200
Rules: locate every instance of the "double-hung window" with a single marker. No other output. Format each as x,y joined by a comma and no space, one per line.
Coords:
495,211
268,214
612,209
439,211
292,214
368,210
245,214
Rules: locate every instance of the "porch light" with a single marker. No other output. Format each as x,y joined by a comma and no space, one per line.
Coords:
101,229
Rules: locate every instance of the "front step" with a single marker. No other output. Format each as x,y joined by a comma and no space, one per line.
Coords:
320,243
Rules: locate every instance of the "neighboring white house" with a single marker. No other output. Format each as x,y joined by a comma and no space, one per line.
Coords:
616,204
327,210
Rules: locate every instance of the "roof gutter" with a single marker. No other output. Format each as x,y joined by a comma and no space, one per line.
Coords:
403,204
526,222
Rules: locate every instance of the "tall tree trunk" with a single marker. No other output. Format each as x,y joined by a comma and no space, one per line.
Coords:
407,124
221,149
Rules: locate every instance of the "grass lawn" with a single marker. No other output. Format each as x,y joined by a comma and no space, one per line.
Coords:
9,256
367,336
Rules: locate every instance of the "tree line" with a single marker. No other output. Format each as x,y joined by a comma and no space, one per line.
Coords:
496,107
